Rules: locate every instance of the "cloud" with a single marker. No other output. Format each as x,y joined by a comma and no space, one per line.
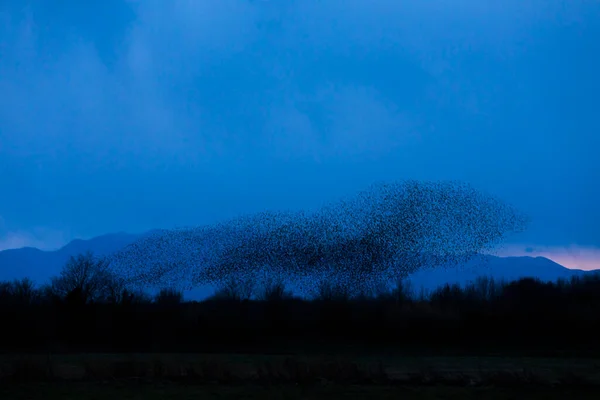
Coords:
90,115
147,106
337,122
157,104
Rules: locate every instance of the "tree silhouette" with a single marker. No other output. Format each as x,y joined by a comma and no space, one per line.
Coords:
86,278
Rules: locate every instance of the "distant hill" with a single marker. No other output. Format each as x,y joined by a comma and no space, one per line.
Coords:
499,268
41,265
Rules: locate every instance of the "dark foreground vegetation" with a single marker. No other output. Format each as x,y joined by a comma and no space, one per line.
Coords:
526,317
84,336
148,376
293,392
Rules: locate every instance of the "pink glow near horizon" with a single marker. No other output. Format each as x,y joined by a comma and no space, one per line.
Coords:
573,256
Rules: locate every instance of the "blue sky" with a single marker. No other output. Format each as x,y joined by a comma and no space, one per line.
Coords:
125,115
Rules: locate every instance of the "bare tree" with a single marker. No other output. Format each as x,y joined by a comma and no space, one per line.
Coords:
235,289
24,291
328,290
169,296
272,290
88,278
5,291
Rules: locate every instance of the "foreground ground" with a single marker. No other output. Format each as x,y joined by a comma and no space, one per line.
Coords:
194,376
118,391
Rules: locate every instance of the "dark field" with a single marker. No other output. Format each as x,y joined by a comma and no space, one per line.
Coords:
149,376
458,343
172,391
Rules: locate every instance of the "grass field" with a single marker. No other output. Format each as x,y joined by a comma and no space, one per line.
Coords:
193,376
112,391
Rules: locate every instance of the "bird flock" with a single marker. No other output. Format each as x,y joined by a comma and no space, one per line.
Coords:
383,233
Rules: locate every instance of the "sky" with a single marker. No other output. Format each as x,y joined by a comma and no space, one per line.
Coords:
128,115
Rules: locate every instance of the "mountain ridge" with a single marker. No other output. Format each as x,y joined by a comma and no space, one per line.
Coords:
40,265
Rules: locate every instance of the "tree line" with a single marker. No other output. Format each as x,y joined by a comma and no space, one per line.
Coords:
81,311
